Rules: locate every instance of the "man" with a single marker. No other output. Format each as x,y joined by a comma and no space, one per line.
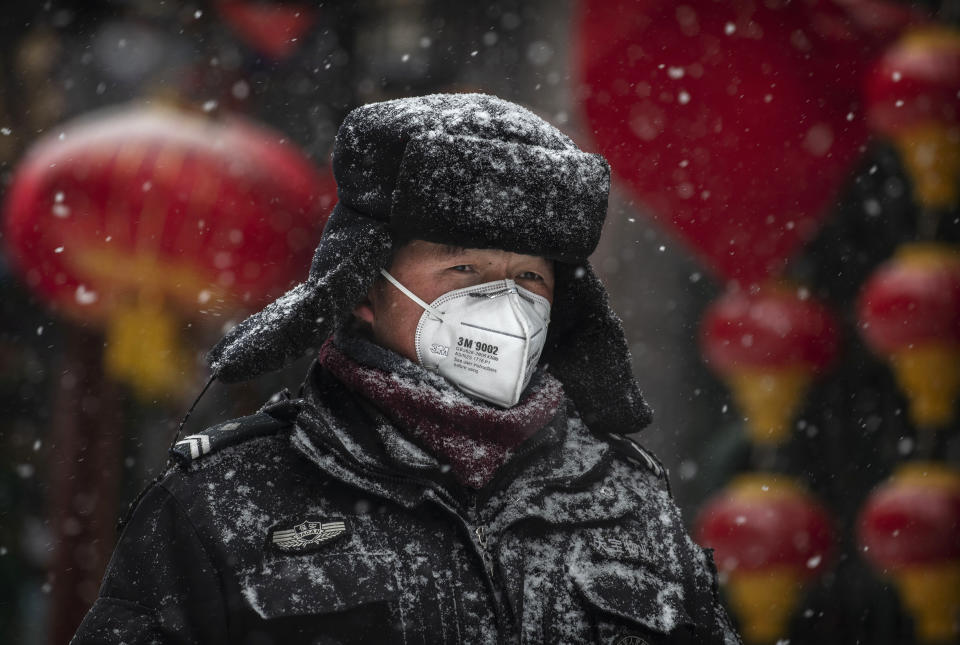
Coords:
454,469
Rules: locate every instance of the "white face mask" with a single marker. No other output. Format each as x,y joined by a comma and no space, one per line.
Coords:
485,339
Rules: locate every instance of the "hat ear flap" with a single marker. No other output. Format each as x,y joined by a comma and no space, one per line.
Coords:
588,353
348,259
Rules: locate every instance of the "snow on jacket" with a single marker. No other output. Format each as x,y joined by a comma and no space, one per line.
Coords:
315,521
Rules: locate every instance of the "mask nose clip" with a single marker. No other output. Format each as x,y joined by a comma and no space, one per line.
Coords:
509,290
505,292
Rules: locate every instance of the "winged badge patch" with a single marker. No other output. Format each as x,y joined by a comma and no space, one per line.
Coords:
308,535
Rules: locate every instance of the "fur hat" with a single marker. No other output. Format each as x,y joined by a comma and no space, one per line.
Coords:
469,170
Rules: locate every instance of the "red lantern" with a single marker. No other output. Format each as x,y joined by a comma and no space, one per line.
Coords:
913,95
768,344
733,123
910,313
910,529
274,29
126,217
769,538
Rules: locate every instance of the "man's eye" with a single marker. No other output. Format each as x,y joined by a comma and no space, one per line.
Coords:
465,268
530,275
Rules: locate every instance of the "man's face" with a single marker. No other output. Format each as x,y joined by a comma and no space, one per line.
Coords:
430,270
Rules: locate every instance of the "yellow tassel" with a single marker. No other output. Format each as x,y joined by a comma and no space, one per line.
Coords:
931,155
764,601
930,376
143,351
769,398
931,592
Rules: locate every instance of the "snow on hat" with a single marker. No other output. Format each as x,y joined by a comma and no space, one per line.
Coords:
469,170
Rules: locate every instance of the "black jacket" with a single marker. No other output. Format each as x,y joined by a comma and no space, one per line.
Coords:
315,521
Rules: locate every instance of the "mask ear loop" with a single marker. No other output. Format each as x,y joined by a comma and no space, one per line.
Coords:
430,308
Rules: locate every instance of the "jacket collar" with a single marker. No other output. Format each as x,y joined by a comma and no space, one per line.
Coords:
549,477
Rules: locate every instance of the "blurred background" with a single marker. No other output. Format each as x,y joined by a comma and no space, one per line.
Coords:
781,245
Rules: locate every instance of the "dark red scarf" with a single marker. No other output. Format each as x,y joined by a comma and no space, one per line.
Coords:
473,437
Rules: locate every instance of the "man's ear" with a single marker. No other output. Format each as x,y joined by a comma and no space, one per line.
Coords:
364,310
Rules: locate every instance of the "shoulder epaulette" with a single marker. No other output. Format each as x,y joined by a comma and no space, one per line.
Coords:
229,433
637,454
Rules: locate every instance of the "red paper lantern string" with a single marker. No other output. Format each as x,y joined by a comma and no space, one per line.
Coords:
274,29
909,312
769,538
132,218
909,529
913,97
769,344
735,124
